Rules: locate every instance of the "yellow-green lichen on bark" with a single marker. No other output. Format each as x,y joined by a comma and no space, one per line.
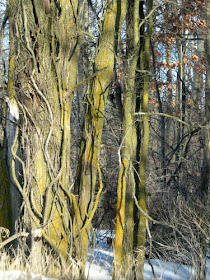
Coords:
48,51
126,184
90,145
141,232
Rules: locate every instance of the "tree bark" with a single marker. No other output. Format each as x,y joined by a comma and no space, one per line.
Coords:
43,71
123,246
88,162
143,155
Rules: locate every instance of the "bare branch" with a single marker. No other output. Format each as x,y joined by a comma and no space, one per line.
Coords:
13,237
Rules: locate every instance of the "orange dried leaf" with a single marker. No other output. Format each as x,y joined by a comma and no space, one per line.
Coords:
173,104
185,60
189,101
194,57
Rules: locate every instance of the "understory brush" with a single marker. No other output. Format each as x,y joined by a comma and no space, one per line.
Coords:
50,266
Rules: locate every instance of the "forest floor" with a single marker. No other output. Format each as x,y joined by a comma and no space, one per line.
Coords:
99,265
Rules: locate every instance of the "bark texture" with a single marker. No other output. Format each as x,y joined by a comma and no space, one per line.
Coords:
88,163
43,69
126,184
131,204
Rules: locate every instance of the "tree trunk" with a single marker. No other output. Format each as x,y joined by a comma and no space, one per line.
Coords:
11,132
143,154
5,210
45,47
88,163
123,246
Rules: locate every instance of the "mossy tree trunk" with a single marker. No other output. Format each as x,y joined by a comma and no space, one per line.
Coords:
131,205
141,180
123,246
43,68
88,164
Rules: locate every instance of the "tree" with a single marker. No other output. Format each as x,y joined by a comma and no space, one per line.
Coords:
88,162
124,222
131,223
40,88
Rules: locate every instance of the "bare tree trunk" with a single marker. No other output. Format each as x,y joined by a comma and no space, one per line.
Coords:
141,183
131,227
43,69
88,163
123,246
11,131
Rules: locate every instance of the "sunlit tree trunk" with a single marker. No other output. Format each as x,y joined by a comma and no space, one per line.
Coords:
123,246
43,69
130,227
143,151
88,163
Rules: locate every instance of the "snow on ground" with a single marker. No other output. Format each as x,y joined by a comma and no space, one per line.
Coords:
20,275
99,266
171,271
168,271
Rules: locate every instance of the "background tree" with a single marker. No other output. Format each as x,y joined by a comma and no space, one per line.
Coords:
131,223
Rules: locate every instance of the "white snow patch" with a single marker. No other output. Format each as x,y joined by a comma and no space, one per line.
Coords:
13,107
16,275
98,273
